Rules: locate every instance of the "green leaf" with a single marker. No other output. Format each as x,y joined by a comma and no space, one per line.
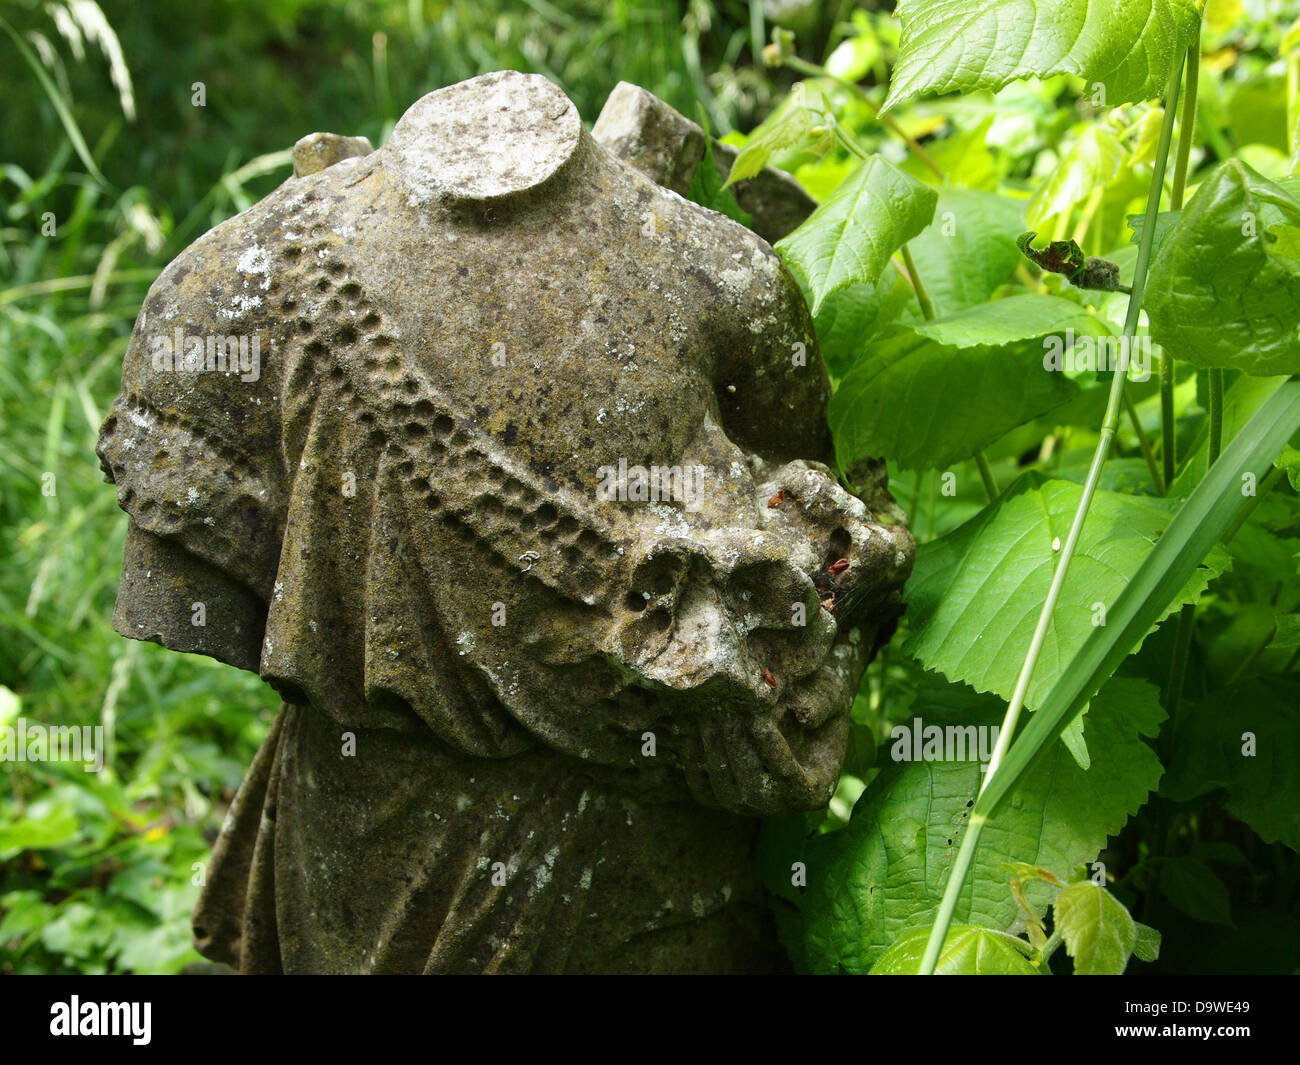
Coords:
1287,630
975,594
933,393
1097,929
1224,15
884,872
1288,461
964,156
969,251
852,235
10,704
1147,945
25,912
1129,46
1250,628
1246,738
968,951
1165,222
1192,888
792,125
78,930
857,55
1073,738
1224,289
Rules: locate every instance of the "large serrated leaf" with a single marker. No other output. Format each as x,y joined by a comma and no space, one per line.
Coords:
1191,538
851,236
1224,289
975,595
933,393
885,871
1129,46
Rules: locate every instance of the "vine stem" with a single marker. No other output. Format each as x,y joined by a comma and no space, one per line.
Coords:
1186,129
986,475
922,296
1049,948
966,854
1145,444
1168,446
1187,614
1187,126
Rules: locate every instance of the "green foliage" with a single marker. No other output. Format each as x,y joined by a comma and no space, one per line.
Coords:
851,237
708,188
852,317
1096,159
1175,635
885,871
790,126
1098,932
1129,46
1210,752
989,356
968,252
1225,286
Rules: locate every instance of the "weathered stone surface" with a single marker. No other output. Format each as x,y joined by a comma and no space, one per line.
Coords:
316,151
667,147
530,715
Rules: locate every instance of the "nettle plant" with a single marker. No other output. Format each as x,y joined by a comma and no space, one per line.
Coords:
1067,309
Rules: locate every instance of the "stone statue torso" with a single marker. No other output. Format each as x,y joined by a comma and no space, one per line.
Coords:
395,509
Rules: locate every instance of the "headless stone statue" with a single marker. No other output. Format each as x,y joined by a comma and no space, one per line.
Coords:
504,466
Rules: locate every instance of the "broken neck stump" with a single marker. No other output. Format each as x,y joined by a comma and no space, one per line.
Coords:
506,467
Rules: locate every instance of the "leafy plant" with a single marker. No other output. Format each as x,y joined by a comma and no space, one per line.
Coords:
1117,600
